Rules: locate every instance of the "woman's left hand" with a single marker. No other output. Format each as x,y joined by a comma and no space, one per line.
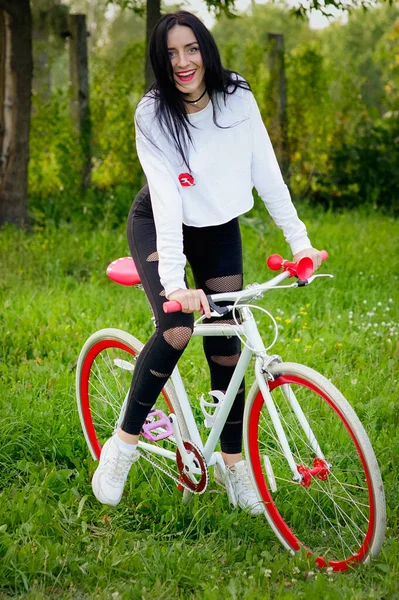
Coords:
311,253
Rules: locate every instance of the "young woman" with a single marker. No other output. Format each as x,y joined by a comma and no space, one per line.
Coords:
203,146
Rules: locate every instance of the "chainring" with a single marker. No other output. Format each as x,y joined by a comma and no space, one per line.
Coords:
200,486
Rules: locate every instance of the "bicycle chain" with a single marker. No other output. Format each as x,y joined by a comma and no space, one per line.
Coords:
177,479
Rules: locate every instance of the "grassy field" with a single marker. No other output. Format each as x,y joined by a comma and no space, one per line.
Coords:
57,541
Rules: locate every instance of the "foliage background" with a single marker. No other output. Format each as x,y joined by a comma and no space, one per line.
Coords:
343,98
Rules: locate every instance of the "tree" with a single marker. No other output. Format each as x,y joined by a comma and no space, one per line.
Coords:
324,6
16,71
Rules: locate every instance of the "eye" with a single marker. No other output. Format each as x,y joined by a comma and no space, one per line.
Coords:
171,53
193,49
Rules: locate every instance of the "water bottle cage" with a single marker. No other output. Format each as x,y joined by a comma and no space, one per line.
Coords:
210,409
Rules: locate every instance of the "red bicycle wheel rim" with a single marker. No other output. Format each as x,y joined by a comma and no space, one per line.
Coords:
284,529
84,387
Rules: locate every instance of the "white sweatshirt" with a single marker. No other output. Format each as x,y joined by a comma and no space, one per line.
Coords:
225,165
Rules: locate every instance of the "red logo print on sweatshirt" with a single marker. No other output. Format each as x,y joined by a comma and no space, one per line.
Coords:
186,180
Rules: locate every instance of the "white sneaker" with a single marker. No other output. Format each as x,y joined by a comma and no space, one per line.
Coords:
110,476
239,486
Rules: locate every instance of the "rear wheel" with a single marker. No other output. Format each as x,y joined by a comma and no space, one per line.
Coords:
104,374
337,511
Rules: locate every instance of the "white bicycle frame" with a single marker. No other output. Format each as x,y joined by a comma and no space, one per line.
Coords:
248,330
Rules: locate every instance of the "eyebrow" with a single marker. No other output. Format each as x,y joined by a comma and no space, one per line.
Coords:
186,46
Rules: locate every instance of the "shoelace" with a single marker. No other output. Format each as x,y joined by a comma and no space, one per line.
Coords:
120,465
242,476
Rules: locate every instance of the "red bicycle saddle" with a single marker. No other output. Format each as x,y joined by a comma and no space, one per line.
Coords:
123,271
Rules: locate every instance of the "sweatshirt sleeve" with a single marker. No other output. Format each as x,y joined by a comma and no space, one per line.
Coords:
168,213
268,181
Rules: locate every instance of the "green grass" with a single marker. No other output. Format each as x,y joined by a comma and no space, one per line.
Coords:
57,541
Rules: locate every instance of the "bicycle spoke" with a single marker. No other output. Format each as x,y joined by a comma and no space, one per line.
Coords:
289,428
335,504
113,372
351,485
105,401
293,431
328,521
101,418
274,437
336,517
99,378
293,416
349,498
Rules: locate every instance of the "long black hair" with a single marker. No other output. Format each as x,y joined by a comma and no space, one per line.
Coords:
170,109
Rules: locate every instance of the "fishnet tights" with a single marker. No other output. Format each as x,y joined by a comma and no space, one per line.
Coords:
228,283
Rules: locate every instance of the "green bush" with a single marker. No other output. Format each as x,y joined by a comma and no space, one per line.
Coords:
55,158
364,169
117,88
310,115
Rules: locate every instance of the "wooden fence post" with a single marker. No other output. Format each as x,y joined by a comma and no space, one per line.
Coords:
79,74
277,103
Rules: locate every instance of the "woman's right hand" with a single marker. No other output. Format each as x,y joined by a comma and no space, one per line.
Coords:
192,301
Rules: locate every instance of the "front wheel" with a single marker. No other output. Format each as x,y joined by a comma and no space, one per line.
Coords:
337,510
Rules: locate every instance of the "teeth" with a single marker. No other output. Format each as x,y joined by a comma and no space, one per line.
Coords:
186,74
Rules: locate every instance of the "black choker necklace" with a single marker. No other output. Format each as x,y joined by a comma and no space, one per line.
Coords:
197,100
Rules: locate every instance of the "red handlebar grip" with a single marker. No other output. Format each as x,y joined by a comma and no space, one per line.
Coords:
172,306
324,255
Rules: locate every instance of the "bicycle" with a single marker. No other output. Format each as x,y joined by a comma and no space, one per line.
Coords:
309,458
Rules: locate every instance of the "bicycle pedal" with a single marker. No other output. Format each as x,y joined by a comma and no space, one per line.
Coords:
157,426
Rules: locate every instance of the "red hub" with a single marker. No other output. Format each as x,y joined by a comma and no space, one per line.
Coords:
320,470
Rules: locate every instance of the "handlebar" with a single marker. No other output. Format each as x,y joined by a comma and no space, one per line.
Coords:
302,269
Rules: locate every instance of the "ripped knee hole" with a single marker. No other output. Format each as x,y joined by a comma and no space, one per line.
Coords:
228,283
178,337
226,361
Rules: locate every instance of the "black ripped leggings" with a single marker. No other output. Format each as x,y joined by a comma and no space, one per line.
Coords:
215,256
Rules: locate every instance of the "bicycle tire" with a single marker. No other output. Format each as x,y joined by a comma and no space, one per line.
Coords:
338,521
104,372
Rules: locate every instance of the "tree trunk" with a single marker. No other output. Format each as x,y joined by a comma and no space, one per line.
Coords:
153,16
79,73
3,49
277,103
16,70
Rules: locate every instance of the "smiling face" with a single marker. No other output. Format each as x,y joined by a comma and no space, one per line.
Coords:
187,65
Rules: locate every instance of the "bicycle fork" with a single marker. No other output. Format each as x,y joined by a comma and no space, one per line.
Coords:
300,473
271,408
